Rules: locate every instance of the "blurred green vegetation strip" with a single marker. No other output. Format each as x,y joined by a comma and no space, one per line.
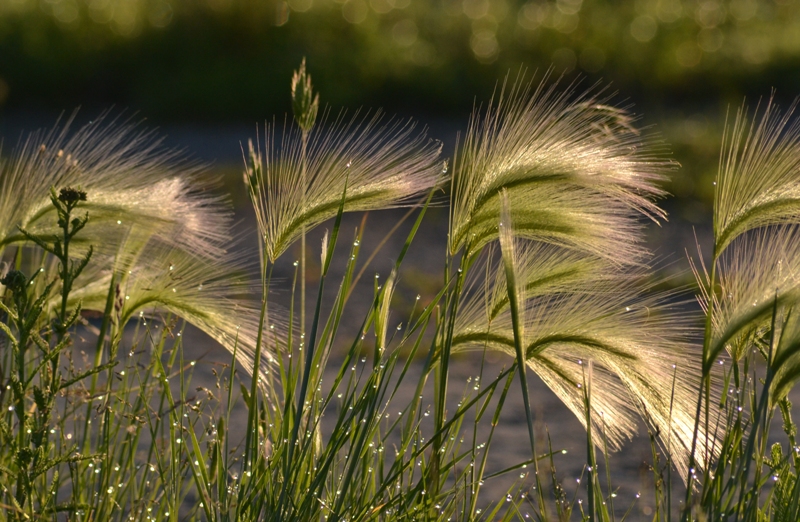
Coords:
217,60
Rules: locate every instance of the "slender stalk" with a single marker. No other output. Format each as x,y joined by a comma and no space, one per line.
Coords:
251,443
516,320
705,383
303,167
591,467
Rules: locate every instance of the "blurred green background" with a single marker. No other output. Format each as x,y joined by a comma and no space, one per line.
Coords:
207,63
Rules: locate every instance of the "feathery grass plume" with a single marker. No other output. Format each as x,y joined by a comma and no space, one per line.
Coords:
577,172
145,214
757,183
211,295
383,165
131,181
635,341
758,269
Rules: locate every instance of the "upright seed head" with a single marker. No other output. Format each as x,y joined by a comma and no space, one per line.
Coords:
14,280
305,104
71,195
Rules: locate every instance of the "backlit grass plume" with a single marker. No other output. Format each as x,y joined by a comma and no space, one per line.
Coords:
132,182
152,228
577,308
211,295
758,275
577,173
295,187
757,183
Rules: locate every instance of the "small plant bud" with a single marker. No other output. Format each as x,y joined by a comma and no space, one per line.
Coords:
305,104
14,280
71,195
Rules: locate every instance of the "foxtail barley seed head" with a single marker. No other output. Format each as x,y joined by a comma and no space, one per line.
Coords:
757,184
300,183
758,272
132,182
578,174
578,308
149,225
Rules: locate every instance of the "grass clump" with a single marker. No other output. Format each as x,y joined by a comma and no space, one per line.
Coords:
545,263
